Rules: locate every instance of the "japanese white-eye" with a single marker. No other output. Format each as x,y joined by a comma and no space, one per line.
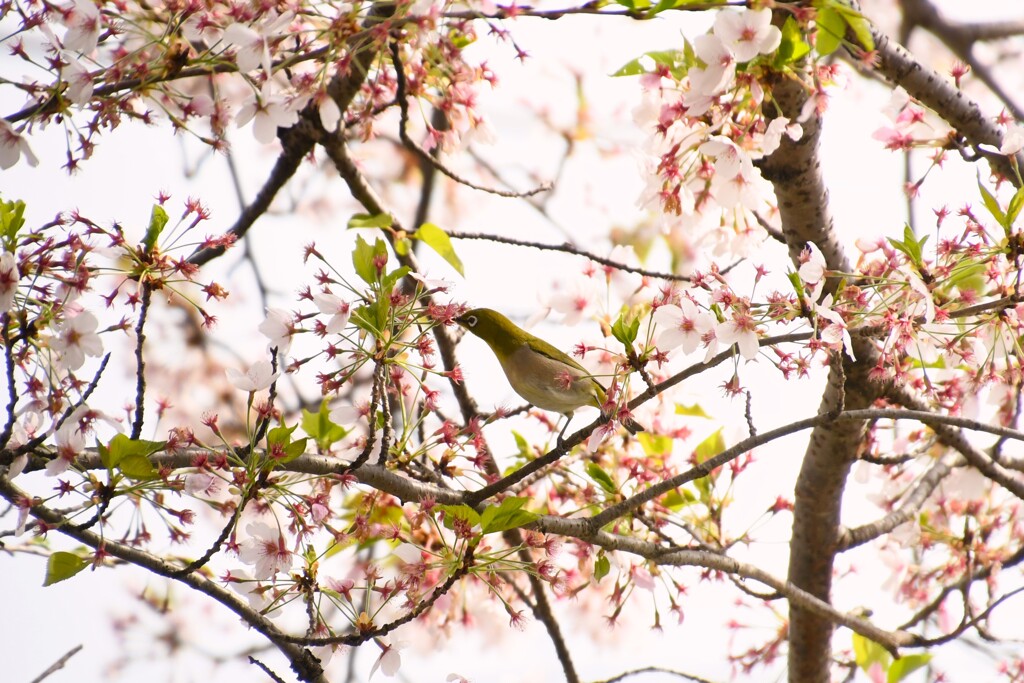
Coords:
537,371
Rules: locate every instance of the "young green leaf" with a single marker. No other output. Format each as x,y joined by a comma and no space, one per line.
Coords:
831,29
992,205
793,47
625,329
366,220
12,218
438,240
62,566
319,427
710,447
595,472
461,511
906,665
130,456
601,567
157,221
506,515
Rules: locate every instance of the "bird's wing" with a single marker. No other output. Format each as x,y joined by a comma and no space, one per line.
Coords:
545,349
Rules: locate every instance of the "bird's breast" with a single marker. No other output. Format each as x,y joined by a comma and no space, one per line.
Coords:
548,383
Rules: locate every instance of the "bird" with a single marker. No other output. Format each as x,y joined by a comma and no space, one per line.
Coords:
538,372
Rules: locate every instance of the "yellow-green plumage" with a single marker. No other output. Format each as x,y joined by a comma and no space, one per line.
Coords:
537,371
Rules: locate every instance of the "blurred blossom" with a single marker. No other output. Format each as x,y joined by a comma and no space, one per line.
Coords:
78,79
390,660
13,146
202,483
83,21
259,376
9,276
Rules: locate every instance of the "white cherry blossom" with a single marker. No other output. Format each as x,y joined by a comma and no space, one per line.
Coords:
76,338
748,34
259,376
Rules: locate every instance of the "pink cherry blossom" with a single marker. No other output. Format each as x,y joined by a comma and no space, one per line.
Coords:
278,327
265,549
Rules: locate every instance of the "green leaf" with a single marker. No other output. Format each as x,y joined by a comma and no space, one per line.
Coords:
130,456
392,278
831,29
793,46
693,411
12,218
362,260
992,205
62,566
709,447
675,61
859,24
912,247
137,467
906,665
507,515
678,498
366,220
601,477
625,329
461,511
655,444
438,240
157,221
601,567
319,427
866,652
1013,210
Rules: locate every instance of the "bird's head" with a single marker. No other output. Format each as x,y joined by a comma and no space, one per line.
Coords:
492,327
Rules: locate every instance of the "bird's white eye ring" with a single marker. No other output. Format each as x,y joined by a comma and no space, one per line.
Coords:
471,321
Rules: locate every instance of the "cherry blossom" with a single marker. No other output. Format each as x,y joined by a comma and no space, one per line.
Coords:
268,111
684,325
84,23
390,660
337,308
76,338
278,327
812,270
79,80
13,146
259,376
747,34
9,276
265,549
70,442
835,332
741,331
253,45
1013,140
